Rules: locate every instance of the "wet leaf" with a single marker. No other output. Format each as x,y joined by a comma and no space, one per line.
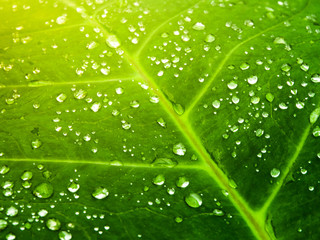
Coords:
159,119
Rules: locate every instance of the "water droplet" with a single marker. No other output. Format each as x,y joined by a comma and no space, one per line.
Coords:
259,132
119,90
43,190
279,40
80,94
73,187
61,20
198,26
315,78
154,99
182,182
105,71
10,236
253,80
269,97
218,212
232,85
244,66
210,38
286,67
159,180
4,169
134,104
304,67
3,224
96,107
36,144
275,172
42,213
178,108
61,97
179,149
216,103
112,41
164,162
232,183
193,200
53,224
161,122
178,219
91,45
63,235
100,193
27,175
316,131
12,211
126,125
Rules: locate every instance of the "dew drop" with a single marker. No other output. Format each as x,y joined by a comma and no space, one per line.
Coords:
316,131
64,235
119,90
270,97
198,26
112,41
182,182
275,172
12,211
134,104
210,38
4,169
80,94
43,190
193,200
3,224
178,108
96,107
159,180
218,212
232,85
315,78
53,224
73,187
61,97
161,122
179,149
27,175
253,80
100,193
314,115
36,144
216,103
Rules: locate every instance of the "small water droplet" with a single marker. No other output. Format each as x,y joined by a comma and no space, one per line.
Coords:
270,97
73,187
164,162
159,180
96,107
178,108
315,78
64,235
216,103
4,169
12,211
80,94
3,224
112,41
286,67
316,131
275,172
210,38
61,97
252,80
134,104
182,182
198,26
42,213
179,149
36,144
178,219
53,224
218,212
27,175
232,85
119,90
193,200
100,193
161,122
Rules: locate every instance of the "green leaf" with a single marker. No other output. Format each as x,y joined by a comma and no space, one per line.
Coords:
164,119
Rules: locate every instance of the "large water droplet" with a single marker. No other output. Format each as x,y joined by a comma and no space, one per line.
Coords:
4,169
27,175
100,193
43,190
12,211
253,80
193,200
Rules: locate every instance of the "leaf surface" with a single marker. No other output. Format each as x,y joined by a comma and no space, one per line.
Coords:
159,119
